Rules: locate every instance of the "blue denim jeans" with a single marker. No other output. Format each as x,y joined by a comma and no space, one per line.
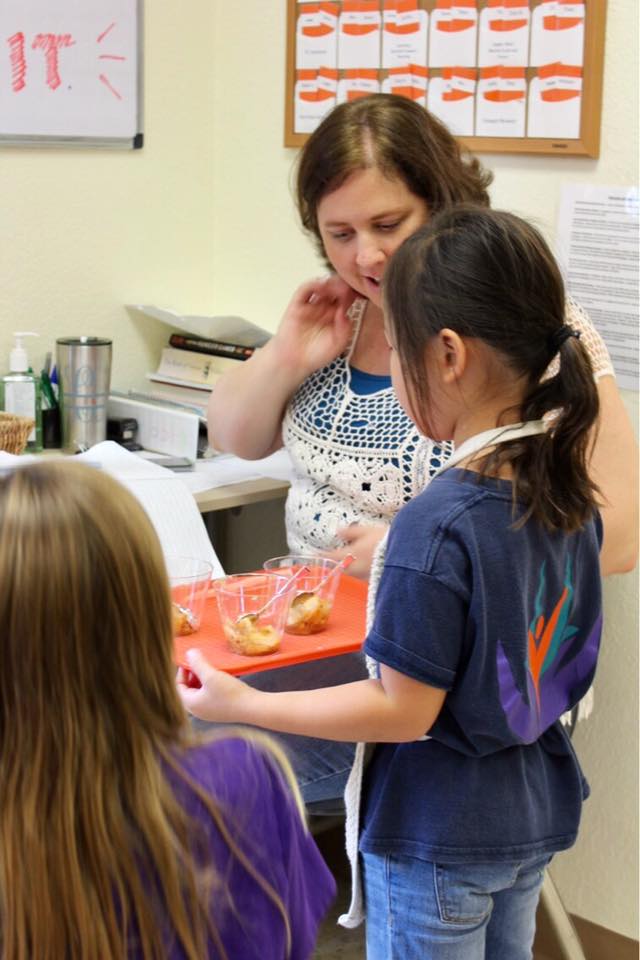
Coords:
321,766
417,910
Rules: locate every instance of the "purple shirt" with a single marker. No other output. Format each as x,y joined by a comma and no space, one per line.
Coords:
261,816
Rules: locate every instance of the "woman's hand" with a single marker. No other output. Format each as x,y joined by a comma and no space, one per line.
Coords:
361,540
315,327
219,696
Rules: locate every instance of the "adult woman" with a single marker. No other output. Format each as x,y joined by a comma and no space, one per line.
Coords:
371,174
123,836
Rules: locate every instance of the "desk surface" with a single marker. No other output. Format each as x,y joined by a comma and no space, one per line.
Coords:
238,494
241,494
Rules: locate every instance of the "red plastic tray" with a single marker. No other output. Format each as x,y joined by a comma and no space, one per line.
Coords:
344,633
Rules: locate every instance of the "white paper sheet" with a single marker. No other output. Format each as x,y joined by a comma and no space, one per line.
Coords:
227,329
504,35
555,102
404,36
167,501
598,251
314,97
500,102
453,32
317,36
409,81
557,32
451,98
359,35
224,469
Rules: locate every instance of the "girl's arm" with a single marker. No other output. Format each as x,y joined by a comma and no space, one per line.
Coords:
248,403
614,468
394,709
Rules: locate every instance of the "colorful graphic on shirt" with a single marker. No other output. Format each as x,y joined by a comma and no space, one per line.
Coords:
556,667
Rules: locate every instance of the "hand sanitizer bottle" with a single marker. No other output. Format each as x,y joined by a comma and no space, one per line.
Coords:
20,391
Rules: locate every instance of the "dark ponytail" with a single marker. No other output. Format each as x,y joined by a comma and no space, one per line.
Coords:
489,275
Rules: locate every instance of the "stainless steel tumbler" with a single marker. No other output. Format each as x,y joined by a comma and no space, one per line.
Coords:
84,376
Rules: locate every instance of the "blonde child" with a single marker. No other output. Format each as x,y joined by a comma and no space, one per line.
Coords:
488,610
121,834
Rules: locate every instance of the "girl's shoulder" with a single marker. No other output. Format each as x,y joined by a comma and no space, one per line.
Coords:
229,765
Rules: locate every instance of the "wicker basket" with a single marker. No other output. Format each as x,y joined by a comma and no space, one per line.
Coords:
14,432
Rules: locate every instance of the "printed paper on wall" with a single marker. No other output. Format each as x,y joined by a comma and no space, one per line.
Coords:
404,34
453,32
501,102
317,36
451,97
504,33
359,37
557,33
555,99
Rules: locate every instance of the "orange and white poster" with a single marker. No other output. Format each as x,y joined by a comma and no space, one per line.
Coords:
314,96
359,35
555,102
404,34
501,102
453,32
317,36
451,98
358,83
504,33
557,33
409,81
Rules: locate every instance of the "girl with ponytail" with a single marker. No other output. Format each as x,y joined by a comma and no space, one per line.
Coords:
488,609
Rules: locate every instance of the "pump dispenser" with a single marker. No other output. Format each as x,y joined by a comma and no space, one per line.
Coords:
20,391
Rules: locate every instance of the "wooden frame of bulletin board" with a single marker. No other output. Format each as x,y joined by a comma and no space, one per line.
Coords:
554,82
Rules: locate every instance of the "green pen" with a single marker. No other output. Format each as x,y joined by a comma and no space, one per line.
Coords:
47,390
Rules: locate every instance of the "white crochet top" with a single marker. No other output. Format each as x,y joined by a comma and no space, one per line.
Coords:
577,319
355,457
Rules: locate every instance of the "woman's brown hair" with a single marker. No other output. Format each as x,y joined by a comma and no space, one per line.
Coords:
489,275
90,720
402,140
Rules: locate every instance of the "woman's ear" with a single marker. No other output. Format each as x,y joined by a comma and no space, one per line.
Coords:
452,355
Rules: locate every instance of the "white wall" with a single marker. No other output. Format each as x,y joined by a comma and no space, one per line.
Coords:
85,232
202,220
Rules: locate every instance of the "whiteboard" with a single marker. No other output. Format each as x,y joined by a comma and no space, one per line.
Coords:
70,71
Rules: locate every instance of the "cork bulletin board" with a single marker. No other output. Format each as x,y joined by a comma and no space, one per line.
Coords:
505,76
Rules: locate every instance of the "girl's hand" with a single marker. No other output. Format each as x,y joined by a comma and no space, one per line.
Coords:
219,695
315,328
361,540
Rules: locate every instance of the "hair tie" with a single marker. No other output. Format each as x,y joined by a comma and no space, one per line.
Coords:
560,336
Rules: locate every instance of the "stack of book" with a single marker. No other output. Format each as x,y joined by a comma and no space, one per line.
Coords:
198,354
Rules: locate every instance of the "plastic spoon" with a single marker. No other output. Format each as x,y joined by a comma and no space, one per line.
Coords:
300,598
249,619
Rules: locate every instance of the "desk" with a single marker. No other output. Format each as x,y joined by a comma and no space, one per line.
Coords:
241,494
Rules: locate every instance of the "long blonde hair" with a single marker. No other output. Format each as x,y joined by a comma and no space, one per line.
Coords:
89,721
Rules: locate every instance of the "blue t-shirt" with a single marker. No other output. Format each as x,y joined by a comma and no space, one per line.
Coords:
508,621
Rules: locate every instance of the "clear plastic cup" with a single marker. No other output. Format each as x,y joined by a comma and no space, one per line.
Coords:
311,601
189,580
240,598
